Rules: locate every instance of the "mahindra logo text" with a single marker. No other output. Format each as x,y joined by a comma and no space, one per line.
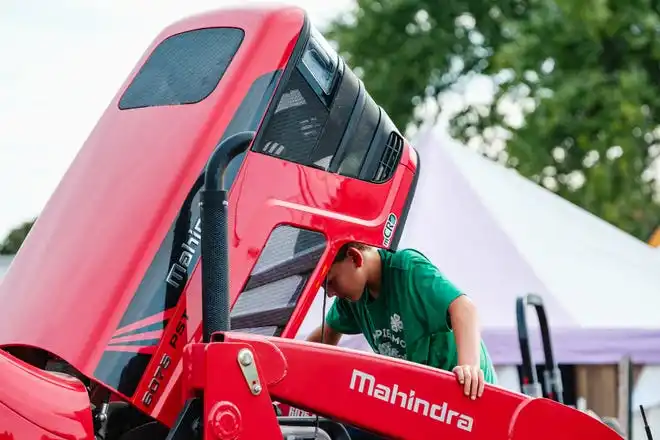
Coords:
366,383
179,269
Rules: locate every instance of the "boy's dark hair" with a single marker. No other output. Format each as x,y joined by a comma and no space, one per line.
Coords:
343,251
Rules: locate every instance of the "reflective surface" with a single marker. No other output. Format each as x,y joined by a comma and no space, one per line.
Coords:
321,61
38,405
90,285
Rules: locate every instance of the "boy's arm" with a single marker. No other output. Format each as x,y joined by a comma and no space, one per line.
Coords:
444,308
338,321
332,337
465,322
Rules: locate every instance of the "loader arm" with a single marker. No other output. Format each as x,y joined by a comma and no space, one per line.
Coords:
239,375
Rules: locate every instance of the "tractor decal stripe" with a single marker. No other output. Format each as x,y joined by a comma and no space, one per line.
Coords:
133,349
156,320
139,337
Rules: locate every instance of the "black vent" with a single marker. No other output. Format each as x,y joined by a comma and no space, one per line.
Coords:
297,123
390,158
278,278
183,69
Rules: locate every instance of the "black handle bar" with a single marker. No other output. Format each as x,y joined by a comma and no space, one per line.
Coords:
215,244
551,374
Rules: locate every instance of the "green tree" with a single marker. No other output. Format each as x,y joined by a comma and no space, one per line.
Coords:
585,74
15,238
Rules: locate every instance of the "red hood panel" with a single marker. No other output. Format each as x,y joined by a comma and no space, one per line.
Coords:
93,240
75,275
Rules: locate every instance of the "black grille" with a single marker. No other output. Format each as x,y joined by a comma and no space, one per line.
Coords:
297,123
277,280
184,69
390,158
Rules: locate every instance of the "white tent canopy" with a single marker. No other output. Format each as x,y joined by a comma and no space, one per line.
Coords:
598,273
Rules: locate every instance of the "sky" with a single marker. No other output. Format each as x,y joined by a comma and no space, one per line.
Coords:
63,61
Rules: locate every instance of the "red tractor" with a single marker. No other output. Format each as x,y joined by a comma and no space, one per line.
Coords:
159,293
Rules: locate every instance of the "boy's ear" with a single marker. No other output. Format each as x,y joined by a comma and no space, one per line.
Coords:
356,256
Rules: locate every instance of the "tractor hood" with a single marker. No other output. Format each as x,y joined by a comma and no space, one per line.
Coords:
86,256
96,263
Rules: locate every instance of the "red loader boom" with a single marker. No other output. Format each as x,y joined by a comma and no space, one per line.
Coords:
243,138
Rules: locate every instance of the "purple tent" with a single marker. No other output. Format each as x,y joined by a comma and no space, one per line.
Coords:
497,236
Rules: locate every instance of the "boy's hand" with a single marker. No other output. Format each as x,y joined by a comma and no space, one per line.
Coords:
472,379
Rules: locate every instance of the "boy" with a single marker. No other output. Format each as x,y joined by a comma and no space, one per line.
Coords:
405,308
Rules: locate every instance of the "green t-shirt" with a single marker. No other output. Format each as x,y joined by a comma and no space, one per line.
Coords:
410,318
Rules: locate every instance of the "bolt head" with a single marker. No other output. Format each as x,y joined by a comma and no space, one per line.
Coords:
245,357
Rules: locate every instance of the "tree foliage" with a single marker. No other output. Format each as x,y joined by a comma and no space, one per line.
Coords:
585,75
15,238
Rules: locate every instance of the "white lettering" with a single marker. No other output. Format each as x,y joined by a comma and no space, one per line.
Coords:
295,412
364,378
175,275
366,384
388,229
382,393
179,270
387,336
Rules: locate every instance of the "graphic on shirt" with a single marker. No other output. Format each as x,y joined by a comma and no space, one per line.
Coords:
395,323
390,341
386,349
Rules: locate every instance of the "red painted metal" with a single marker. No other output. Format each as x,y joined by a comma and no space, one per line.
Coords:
35,404
136,167
77,272
387,396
